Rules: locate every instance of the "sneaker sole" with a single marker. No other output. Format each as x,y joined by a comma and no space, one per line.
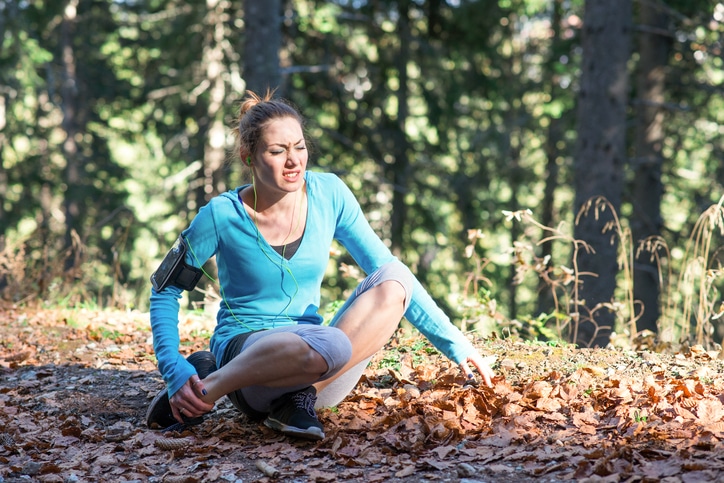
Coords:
159,414
311,433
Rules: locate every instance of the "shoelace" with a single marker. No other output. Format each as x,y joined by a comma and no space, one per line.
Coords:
305,400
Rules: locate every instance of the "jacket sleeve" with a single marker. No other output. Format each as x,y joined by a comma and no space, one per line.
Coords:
173,367
432,322
164,305
368,250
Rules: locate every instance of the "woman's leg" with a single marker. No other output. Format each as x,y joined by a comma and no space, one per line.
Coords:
369,318
277,361
268,375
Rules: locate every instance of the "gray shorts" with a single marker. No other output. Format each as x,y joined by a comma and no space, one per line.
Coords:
330,342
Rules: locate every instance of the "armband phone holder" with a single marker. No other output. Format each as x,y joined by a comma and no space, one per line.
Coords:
175,271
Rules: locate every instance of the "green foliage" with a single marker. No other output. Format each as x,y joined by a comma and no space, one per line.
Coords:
330,310
543,327
640,417
201,334
445,118
104,333
418,350
390,360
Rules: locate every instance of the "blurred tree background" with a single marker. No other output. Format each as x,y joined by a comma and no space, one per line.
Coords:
493,144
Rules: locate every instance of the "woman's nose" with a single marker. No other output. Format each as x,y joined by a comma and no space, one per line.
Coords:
293,158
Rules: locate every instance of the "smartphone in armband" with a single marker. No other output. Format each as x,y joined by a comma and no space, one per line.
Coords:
175,271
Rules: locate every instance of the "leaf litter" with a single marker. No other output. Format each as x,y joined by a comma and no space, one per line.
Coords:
74,387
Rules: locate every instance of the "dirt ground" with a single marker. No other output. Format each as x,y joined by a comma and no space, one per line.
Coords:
74,387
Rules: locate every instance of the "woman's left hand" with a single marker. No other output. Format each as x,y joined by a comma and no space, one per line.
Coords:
482,364
187,400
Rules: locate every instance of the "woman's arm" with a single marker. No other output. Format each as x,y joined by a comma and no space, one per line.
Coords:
164,325
201,238
365,246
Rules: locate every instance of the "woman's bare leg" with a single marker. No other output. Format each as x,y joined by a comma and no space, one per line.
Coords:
370,322
279,360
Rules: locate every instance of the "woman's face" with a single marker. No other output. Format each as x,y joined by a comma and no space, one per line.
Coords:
281,160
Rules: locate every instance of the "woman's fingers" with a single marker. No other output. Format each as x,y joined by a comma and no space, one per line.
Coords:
482,364
176,414
187,403
198,387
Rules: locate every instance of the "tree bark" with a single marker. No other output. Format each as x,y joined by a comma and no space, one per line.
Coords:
599,161
10,13
263,39
401,166
3,170
554,136
214,147
69,93
647,189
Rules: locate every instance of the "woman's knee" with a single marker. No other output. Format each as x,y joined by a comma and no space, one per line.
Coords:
397,282
328,344
391,294
291,347
335,348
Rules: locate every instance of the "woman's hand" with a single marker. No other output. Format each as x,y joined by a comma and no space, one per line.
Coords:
482,364
187,400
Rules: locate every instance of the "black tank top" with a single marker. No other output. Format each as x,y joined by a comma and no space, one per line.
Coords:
290,250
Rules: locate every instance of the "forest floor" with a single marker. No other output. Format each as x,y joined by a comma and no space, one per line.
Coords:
74,387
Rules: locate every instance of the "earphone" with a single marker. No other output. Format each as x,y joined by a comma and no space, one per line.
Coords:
248,160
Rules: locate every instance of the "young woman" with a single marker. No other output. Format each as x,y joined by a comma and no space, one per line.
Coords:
271,238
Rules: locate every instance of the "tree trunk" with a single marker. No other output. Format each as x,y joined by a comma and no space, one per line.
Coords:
11,13
599,161
401,165
69,93
214,147
654,48
263,39
516,181
547,215
3,170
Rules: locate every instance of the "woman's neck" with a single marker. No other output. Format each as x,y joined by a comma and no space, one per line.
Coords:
279,219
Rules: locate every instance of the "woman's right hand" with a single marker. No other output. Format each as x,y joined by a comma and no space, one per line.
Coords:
187,403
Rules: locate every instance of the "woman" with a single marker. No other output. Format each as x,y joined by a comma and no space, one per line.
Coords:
271,239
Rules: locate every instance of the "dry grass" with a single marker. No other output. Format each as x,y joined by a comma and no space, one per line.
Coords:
691,300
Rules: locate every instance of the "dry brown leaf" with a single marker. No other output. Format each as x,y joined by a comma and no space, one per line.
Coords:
406,471
595,371
585,417
710,411
511,409
538,389
547,404
425,416
717,427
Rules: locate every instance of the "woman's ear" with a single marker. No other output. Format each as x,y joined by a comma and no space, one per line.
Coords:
245,157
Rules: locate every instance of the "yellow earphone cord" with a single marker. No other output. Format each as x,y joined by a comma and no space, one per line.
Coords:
281,265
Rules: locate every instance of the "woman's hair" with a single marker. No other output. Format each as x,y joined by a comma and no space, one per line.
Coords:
255,113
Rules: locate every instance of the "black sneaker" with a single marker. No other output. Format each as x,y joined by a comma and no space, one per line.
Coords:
159,415
293,414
